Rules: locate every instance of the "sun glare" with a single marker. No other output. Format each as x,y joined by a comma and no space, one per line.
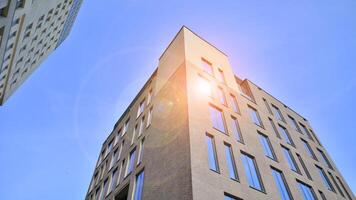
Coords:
204,86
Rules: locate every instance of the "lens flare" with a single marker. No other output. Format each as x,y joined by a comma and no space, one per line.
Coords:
204,86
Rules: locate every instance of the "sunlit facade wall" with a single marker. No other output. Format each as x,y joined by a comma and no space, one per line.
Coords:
197,131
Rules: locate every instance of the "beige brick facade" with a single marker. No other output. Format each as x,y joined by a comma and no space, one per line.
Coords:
175,154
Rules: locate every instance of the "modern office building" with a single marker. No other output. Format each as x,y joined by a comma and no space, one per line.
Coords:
197,131
29,31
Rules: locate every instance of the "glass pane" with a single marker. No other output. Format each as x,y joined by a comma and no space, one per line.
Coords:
290,160
281,185
285,135
230,162
266,146
211,153
139,186
251,172
236,129
217,119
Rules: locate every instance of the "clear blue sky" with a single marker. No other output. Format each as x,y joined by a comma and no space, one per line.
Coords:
52,128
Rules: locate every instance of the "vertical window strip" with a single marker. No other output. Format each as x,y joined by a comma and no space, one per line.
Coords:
325,179
309,149
343,187
277,113
304,167
267,147
291,162
337,185
217,118
255,116
140,155
252,173
281,184
212,158
322,195
285,135
222,96
236,129
230,162
325,159
306,191
267,106
235,106
274,128
139,186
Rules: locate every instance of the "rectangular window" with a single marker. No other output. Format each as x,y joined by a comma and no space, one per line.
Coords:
285,135
114,158
110,146
149,97
267,106
309,149
141,108
236,129
267,147
230,162
149,117
139,186
230,197
274,127
325,159
293,123
131,162
207,66
217,118
134,134
140,130
305,131
212,158
126,127
221,96
114,178
97,193
306,191
290,159
343,187
140,153
322,195
234,104
252,173
337,185
277,113
281,184
105,189
255,116
221,76
304,167
325,179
